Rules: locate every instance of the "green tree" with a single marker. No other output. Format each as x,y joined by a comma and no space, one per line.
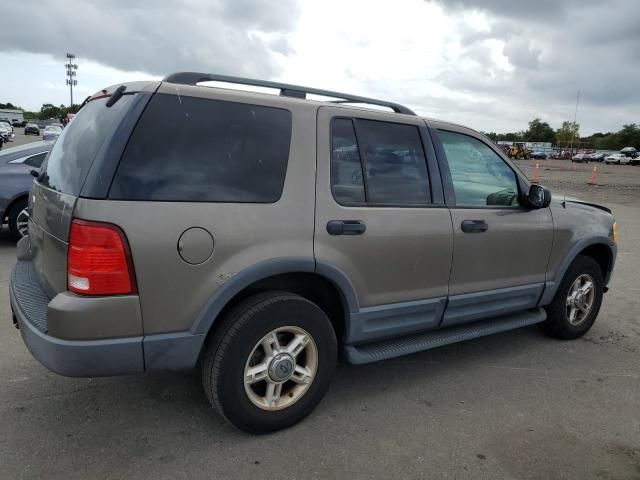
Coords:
49,111
493,136
568,131
629,136
539,131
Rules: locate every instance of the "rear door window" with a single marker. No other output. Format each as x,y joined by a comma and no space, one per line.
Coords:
75,149
391,156
395,162
202,150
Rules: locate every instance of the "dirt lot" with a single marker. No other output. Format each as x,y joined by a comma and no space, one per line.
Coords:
619,184
515,406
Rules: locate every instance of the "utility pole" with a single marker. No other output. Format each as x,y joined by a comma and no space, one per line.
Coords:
575,118
71,74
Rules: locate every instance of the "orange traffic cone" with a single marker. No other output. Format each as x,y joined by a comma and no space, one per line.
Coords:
536,173
594,172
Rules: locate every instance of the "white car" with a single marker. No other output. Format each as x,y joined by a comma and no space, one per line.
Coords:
617,158
6,131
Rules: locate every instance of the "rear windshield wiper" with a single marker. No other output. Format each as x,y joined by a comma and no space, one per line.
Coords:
117,95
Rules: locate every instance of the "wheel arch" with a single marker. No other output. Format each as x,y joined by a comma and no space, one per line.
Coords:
600,248
322,284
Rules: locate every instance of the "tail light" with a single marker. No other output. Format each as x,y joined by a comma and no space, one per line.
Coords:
99,260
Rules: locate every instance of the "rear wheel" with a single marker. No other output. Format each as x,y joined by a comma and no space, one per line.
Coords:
577,302
19,219
270,362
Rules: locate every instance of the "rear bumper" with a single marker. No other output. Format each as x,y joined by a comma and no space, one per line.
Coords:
36,316
73,358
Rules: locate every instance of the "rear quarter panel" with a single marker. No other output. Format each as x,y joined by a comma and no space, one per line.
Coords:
172,292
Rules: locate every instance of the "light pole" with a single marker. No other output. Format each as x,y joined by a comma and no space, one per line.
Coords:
71,74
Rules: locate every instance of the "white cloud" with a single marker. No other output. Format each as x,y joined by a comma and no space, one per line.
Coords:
490,64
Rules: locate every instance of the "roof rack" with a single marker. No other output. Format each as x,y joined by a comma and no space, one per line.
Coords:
286,90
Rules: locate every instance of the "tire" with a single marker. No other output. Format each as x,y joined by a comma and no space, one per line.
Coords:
558,324
237,342
16,216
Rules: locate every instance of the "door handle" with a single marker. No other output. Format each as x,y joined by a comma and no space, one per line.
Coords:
346,227
474,226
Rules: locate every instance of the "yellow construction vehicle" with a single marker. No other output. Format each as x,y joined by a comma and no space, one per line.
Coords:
518,150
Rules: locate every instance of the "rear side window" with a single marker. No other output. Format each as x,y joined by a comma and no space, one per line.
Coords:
391,156
201,150
75,149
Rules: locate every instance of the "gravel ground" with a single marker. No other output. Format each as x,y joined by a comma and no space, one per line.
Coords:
511,406
619,184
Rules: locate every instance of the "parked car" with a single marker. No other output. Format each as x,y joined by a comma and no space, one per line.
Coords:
6,124
278,249
6,132
630,152
617,158
16,180
51,132
538,155
580,158
597,157
31,128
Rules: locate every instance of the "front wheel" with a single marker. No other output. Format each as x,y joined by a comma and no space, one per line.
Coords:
270,362
577,301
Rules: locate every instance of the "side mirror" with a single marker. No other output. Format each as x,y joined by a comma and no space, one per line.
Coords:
539,197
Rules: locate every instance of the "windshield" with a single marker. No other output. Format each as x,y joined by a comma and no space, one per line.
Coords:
73,153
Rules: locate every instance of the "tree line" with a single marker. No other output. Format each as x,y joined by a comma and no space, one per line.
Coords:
539,131
46,112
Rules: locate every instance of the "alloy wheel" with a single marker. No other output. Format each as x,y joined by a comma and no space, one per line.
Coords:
580,299
281,368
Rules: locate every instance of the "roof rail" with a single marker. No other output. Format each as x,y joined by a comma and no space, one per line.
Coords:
286,90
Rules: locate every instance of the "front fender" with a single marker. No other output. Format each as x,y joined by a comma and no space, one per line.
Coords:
552,285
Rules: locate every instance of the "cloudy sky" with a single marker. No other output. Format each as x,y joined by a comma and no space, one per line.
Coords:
490,64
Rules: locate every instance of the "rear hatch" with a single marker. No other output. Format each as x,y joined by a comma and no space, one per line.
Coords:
79,165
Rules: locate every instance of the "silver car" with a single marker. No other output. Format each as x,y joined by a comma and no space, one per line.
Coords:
51,132
262,237
618,158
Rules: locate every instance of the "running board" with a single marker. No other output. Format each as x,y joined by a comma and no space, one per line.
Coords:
437,338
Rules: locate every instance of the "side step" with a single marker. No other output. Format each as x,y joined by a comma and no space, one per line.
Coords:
373,352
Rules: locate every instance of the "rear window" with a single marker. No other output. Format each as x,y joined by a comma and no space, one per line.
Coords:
201,150
75,149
